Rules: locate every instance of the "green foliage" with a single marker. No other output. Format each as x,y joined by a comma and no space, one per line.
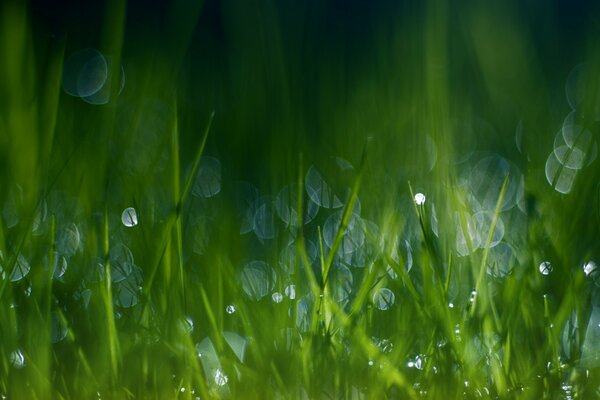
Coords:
261,201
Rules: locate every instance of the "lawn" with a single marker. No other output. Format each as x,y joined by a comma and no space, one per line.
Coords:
299,199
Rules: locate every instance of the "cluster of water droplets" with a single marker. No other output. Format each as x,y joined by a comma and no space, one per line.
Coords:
575,146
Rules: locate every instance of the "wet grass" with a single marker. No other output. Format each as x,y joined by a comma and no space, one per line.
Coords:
250,225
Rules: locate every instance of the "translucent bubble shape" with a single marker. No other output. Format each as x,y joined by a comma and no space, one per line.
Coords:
383,299
59,327
487,178
60,265
277,297
287,256
560,177
238,344
18,270
303,313
574,145
128,290
290,291
340,281
501,260
208,178
467,236
286,204
103,95
121,262
68,240
590,350
84,73
353,235
319,191
483,223
265,223
257,279
209,358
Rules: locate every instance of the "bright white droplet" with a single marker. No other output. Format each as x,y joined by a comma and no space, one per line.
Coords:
419,362
545,268
589,267
220,378
230,309
277,297
129,217
290,292
420,199
473,296
17,359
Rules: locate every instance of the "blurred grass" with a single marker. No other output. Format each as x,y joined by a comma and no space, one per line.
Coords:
403,92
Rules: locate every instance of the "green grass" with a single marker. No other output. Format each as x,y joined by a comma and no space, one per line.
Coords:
232,284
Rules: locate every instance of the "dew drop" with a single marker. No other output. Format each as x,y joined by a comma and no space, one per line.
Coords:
589,267
129,217
277,297
17,359
220,378
545,268
290,292
420,199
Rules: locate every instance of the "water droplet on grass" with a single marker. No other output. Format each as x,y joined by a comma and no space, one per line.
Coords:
277,297
230,309
220,378
290,291
129,217
17,359
187,324
545,268
473,296
589,267
419,199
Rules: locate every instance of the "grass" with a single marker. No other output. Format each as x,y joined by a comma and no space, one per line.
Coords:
237,217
